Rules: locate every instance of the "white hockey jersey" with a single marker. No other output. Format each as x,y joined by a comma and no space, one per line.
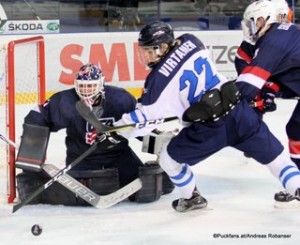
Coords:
175,83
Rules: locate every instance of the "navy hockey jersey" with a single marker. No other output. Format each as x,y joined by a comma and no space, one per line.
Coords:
244,56
276,58
59,112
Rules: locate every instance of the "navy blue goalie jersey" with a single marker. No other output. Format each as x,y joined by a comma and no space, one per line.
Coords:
59,112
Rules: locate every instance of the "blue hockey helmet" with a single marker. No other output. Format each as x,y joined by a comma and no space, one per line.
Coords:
154,41
155,34
89,81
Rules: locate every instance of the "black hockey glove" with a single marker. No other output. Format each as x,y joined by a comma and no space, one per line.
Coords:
108,140
267,96
269,103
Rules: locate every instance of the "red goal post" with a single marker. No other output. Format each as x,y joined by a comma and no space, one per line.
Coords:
25,84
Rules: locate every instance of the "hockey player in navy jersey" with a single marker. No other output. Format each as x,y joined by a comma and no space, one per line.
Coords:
59,112
277,59
184,82
246,50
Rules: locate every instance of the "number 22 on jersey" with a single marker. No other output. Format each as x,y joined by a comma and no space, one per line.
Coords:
190,79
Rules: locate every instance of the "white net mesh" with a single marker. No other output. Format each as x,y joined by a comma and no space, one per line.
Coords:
23,74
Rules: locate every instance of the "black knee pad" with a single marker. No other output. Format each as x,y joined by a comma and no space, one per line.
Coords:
151,176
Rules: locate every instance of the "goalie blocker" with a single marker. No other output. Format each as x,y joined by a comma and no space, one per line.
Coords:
32,151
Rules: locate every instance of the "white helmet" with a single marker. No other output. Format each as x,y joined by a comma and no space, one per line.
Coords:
256,10
282,7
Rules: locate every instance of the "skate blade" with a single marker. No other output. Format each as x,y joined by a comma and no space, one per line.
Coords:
196,210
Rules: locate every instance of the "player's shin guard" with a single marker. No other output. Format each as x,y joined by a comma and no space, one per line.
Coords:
287,172
180,174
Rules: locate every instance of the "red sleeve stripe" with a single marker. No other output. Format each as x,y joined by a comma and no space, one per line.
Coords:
294,147
243,55
257,71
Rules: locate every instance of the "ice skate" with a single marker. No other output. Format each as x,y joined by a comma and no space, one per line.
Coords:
195,202
287,200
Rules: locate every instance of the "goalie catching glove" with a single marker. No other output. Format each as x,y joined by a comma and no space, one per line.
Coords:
108,140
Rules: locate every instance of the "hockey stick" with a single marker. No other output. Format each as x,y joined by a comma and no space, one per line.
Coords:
7,141
54,178
90,117
82,191
66,180
98,201
106,202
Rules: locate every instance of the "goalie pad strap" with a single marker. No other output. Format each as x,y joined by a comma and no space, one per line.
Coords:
33,147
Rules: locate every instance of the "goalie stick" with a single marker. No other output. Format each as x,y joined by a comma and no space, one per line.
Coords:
16,207
85,111
55,178
98,201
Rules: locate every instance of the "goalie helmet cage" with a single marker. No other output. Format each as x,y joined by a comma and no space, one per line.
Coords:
25,84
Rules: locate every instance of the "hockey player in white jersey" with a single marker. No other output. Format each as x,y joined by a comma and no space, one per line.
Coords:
184,82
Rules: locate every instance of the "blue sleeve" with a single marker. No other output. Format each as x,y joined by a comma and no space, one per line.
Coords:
118,101
247,90
244,56
55,113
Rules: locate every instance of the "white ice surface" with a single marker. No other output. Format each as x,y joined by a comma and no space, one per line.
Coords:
239,191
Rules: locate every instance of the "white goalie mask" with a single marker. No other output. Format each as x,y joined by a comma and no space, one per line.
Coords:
257,18
89,82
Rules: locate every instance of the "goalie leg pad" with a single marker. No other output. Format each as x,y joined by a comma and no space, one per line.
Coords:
151,176
33,147
152,143
101,182
56,194
28,182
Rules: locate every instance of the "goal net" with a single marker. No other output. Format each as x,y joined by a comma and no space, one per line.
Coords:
22,85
